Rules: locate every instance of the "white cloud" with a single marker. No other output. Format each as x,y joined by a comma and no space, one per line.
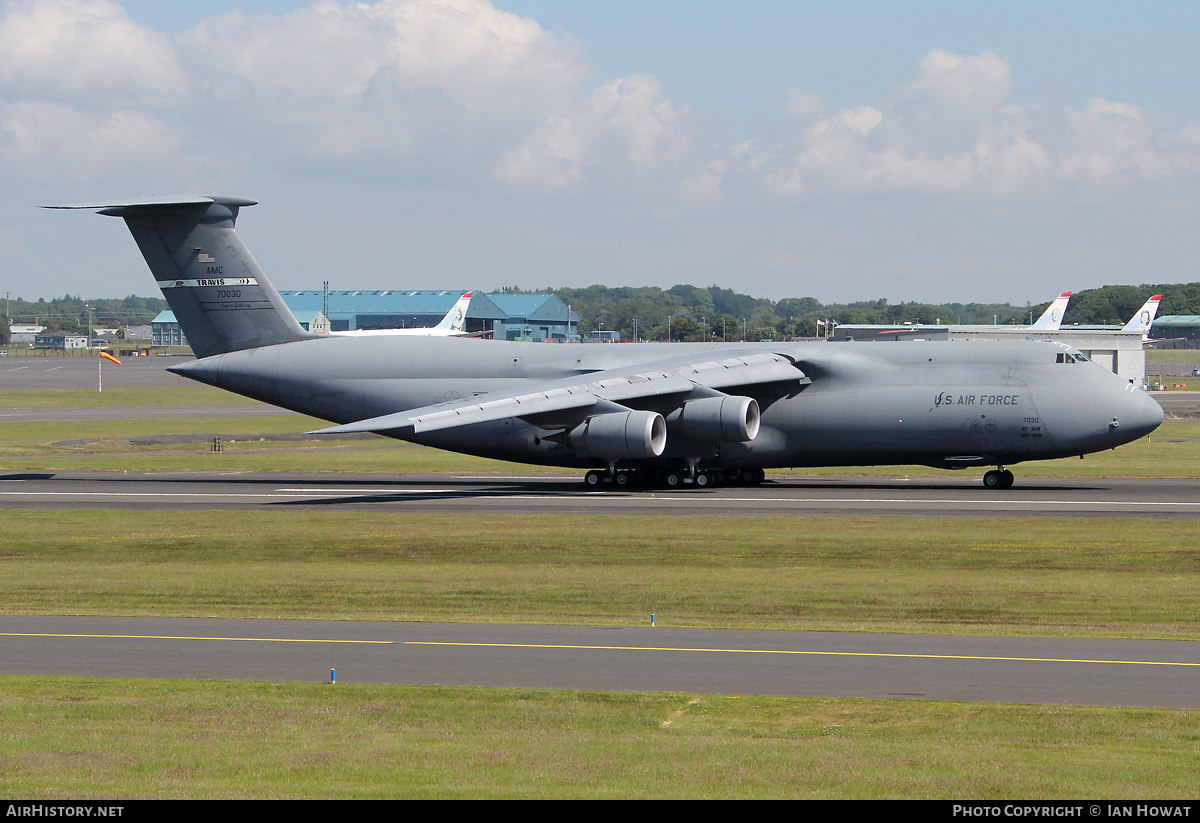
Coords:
85,51
450,80
957,81
626,128
486,94
49,142
952,130
387,79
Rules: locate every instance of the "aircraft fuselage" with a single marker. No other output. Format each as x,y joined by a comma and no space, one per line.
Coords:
946,404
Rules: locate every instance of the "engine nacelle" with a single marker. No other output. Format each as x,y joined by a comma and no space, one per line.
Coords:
635,434
720,419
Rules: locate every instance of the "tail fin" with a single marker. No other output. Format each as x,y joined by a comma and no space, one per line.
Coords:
1144,317
457,316
1052,317
220,296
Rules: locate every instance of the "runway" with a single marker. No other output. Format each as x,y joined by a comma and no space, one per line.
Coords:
566,494
816,664
46,370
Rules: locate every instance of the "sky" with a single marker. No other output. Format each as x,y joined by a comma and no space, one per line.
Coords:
924,151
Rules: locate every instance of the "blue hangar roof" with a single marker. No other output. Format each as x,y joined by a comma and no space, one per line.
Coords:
392,301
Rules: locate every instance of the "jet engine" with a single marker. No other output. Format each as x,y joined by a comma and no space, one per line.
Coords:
721,419
634,434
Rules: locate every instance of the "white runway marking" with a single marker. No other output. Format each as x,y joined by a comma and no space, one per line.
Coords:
602,497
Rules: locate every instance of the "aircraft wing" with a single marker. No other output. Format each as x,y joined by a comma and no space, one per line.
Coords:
611,386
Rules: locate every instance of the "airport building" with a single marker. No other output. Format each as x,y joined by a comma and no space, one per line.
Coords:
1115,349
313,321
60,340
535,317
1176,331
353,309
27,334
165,330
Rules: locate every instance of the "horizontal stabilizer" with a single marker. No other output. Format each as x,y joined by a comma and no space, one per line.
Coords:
157,203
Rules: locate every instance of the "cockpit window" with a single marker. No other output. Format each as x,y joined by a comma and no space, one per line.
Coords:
1068,357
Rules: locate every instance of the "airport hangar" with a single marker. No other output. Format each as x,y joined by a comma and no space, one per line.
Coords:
536,317
1176,331
1118,350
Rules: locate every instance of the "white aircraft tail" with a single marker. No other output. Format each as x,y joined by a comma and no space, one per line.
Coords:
456,318
1052,317
1144,318
221,298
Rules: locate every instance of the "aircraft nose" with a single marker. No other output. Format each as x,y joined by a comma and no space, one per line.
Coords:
1139,415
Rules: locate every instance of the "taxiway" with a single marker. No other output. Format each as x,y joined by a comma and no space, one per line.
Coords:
816,664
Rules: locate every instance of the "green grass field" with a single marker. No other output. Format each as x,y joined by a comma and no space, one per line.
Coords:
1171,356
967,575
76,738
79,737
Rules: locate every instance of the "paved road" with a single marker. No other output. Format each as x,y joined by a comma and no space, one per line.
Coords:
899,496
981,669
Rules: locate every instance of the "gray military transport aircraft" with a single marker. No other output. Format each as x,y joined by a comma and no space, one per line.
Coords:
668,414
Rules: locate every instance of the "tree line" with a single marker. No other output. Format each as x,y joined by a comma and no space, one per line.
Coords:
685,312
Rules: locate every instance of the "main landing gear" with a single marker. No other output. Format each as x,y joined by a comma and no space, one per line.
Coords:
998,478
672,478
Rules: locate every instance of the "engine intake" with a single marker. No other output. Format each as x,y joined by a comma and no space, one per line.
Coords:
723,419
634,434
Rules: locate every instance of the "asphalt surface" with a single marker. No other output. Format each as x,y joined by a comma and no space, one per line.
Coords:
803,496
49,371
71,415
819,664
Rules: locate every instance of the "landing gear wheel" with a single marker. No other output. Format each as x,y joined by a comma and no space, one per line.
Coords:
753,477
593,479
998,479
702,480
672,480
622,479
